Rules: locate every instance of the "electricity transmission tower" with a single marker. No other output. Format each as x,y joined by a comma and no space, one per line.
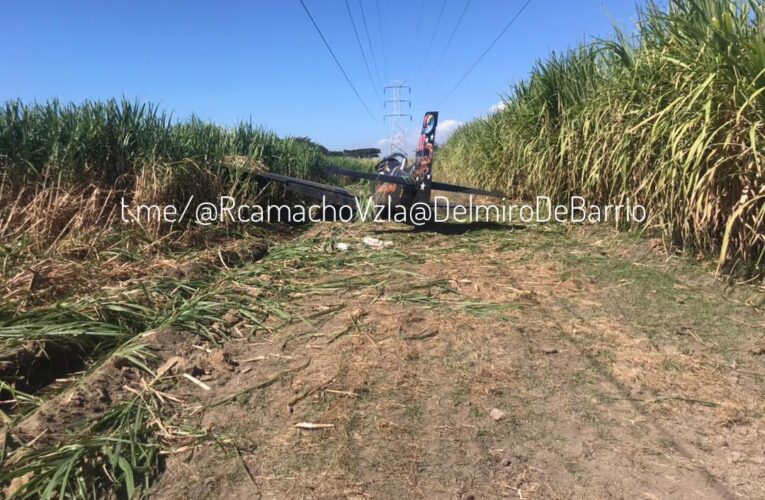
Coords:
400,108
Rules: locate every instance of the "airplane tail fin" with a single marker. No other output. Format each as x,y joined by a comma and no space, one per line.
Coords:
423,162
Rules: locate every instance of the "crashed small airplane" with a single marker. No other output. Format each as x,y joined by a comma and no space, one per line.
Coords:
397,184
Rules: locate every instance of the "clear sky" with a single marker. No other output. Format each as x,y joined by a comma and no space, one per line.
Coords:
227,61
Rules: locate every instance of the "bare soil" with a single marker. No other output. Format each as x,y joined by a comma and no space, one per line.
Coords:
614,374
466,362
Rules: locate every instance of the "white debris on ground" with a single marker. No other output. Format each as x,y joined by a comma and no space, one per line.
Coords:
375,243
496,414
343,247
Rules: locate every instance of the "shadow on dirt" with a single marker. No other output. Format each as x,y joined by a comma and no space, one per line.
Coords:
453,228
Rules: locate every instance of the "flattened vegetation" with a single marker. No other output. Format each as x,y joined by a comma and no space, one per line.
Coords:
614,375
534,363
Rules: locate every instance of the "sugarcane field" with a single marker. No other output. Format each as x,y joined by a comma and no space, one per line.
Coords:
363,249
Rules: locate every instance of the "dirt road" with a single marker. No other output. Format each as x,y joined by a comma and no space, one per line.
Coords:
527,363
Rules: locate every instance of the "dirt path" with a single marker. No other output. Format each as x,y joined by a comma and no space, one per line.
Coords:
533,363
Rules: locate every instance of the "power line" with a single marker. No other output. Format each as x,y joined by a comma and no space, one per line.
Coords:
358,40
369,41
507,26
419,24
382,40
326,44
451,37
432,37
419,17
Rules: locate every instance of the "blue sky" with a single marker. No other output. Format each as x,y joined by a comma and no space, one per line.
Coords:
227,61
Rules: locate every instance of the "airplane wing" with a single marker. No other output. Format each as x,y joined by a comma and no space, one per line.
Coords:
438,186
332,194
